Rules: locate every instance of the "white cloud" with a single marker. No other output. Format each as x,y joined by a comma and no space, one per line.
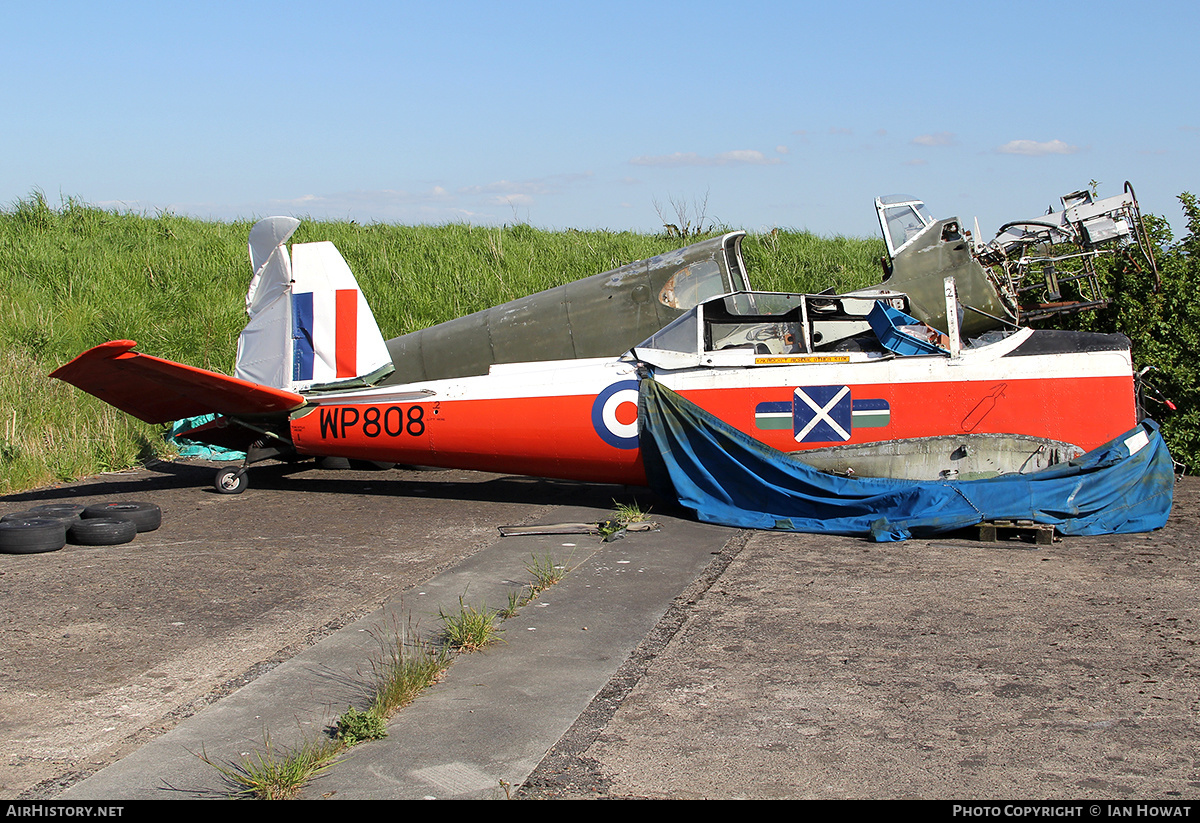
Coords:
505,187
1033,148
511,200
738,157
941,138
524,193
553,184
917,162
364,198
434,205
746,156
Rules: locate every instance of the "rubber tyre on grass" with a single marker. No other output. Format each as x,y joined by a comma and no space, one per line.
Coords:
102,531
146,516
32,535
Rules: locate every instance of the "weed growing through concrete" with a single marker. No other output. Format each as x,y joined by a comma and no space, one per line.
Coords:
624,515
627,513
354,727
516,599
468,629
545,573
406,668
277,775
610,529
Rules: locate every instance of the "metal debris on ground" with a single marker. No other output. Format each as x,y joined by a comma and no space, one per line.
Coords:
574,528
1042,534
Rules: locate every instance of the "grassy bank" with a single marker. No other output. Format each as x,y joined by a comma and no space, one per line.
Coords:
73,276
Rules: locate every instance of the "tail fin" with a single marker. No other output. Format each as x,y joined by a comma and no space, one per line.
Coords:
310,326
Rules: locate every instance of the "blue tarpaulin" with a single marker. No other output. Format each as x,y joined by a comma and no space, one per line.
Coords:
191,448
728,477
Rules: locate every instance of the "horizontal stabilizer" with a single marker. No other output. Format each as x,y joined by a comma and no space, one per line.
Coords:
159,391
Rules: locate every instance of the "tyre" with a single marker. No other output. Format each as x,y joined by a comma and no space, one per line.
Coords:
102,531
32,535
231,481
64,516
62,511
146,516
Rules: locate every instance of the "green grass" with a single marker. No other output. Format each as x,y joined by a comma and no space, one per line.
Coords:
627,513
49,431
469,629
354,727
73,276
517,599
624,514
545,572
406,668
277,774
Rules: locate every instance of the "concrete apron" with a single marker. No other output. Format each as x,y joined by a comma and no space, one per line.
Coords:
496,713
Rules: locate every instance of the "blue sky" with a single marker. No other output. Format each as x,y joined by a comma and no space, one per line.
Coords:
585,116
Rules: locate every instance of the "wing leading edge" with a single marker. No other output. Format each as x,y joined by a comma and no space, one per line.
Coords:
160,391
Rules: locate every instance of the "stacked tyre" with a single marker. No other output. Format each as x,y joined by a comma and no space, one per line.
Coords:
26,534
48,528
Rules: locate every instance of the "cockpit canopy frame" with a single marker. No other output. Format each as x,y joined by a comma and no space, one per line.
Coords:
765,328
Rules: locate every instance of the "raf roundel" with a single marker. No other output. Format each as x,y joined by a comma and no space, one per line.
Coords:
614,415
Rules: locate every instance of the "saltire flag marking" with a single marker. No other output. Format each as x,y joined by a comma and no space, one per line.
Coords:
822,414
812,422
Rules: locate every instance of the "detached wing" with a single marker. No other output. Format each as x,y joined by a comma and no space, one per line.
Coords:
159,391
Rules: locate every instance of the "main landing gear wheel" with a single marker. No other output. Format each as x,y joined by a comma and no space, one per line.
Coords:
231,481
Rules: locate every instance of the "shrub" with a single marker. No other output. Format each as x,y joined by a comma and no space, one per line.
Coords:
1161,317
